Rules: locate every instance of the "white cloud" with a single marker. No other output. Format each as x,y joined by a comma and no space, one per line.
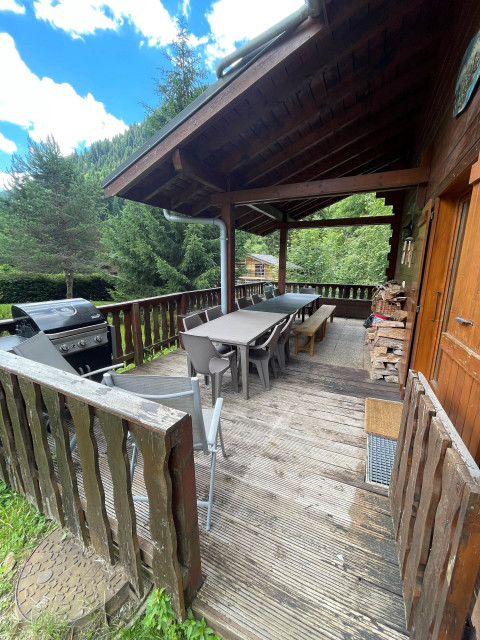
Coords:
7,145
5,181
186,8
44,107
83,17
11,5
232,22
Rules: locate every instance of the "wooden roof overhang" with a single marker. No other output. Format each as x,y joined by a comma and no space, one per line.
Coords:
327,110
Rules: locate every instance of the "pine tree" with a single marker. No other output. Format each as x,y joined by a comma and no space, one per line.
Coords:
152,255
50,216
180,84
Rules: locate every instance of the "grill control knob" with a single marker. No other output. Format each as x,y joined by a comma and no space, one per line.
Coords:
97,339
64,347
82,343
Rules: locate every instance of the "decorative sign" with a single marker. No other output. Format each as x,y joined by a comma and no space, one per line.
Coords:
467,76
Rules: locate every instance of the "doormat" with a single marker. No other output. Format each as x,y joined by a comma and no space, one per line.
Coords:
382,417
380,458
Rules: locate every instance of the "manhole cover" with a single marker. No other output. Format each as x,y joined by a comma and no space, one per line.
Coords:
68,581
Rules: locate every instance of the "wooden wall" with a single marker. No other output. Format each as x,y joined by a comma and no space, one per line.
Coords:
269,272
454,145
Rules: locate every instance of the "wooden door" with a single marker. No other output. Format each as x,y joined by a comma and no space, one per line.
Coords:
434,291
421,233
457,368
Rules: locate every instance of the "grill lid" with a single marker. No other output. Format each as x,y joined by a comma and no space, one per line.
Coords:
56,315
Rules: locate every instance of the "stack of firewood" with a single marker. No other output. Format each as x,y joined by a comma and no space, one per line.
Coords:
385,339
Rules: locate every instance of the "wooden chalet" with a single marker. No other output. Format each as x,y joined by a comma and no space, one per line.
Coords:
345,97
260,267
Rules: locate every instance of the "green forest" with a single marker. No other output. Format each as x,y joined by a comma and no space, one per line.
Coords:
55,220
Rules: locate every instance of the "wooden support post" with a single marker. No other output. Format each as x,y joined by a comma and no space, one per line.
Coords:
396,199
282,260
228,216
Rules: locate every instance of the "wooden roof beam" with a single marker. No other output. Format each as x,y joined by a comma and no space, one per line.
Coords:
270,211
387,181
183,162
338,222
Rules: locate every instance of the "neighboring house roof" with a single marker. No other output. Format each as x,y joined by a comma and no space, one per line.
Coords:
271,260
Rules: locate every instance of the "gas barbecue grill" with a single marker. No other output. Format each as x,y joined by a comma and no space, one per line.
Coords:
74,326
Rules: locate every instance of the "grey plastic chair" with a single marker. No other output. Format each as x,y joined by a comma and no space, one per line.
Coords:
242,303
182,394
283,345
213,313
276,293
206,360
268,295
263,354
256,298
194,320
191,321
311,291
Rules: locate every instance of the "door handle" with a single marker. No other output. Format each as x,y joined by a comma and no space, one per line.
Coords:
434,319
461,320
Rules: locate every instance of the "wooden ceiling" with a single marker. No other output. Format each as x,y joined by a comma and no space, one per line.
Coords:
340,96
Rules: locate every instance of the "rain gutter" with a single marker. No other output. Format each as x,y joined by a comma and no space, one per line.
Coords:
175,217
291,22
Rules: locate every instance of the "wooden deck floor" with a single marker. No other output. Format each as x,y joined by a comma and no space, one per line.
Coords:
300,546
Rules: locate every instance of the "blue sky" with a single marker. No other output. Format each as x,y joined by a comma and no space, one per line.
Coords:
80,69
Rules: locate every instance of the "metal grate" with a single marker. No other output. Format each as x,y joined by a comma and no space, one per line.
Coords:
380,457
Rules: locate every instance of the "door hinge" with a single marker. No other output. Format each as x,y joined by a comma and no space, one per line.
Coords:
418,309
432,213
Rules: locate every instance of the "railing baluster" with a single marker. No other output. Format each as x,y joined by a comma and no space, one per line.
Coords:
8,441
156,327
147,327
23,441
98,525
115,432
72,507
52,504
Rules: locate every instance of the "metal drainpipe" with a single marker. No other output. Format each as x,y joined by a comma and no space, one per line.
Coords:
223,246
311,8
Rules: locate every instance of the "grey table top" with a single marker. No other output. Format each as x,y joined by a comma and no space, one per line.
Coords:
238,327
286,303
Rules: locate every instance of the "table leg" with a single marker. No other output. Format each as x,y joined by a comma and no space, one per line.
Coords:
244,356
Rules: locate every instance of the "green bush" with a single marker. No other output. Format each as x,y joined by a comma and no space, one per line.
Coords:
16,288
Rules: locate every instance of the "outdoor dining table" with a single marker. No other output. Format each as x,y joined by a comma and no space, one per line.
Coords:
240,329
286,303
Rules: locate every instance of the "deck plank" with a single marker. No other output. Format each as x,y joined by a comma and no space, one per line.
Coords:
301,547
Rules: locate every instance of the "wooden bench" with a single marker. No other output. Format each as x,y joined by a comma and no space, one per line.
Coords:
314,327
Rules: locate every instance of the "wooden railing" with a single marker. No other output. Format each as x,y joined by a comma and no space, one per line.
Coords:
435,501
41,466
148,325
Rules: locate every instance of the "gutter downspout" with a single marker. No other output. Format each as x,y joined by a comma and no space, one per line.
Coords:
311,8
223,247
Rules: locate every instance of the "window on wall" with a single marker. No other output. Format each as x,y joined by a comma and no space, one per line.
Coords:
260,270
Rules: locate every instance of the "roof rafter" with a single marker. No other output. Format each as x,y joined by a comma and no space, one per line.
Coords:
185,163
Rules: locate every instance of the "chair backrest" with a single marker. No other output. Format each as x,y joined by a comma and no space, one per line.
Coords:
310,290
268,295
41,350
256,298
200,350
276,292
191,321
242,303
271,343
285,332
214,312
180,393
